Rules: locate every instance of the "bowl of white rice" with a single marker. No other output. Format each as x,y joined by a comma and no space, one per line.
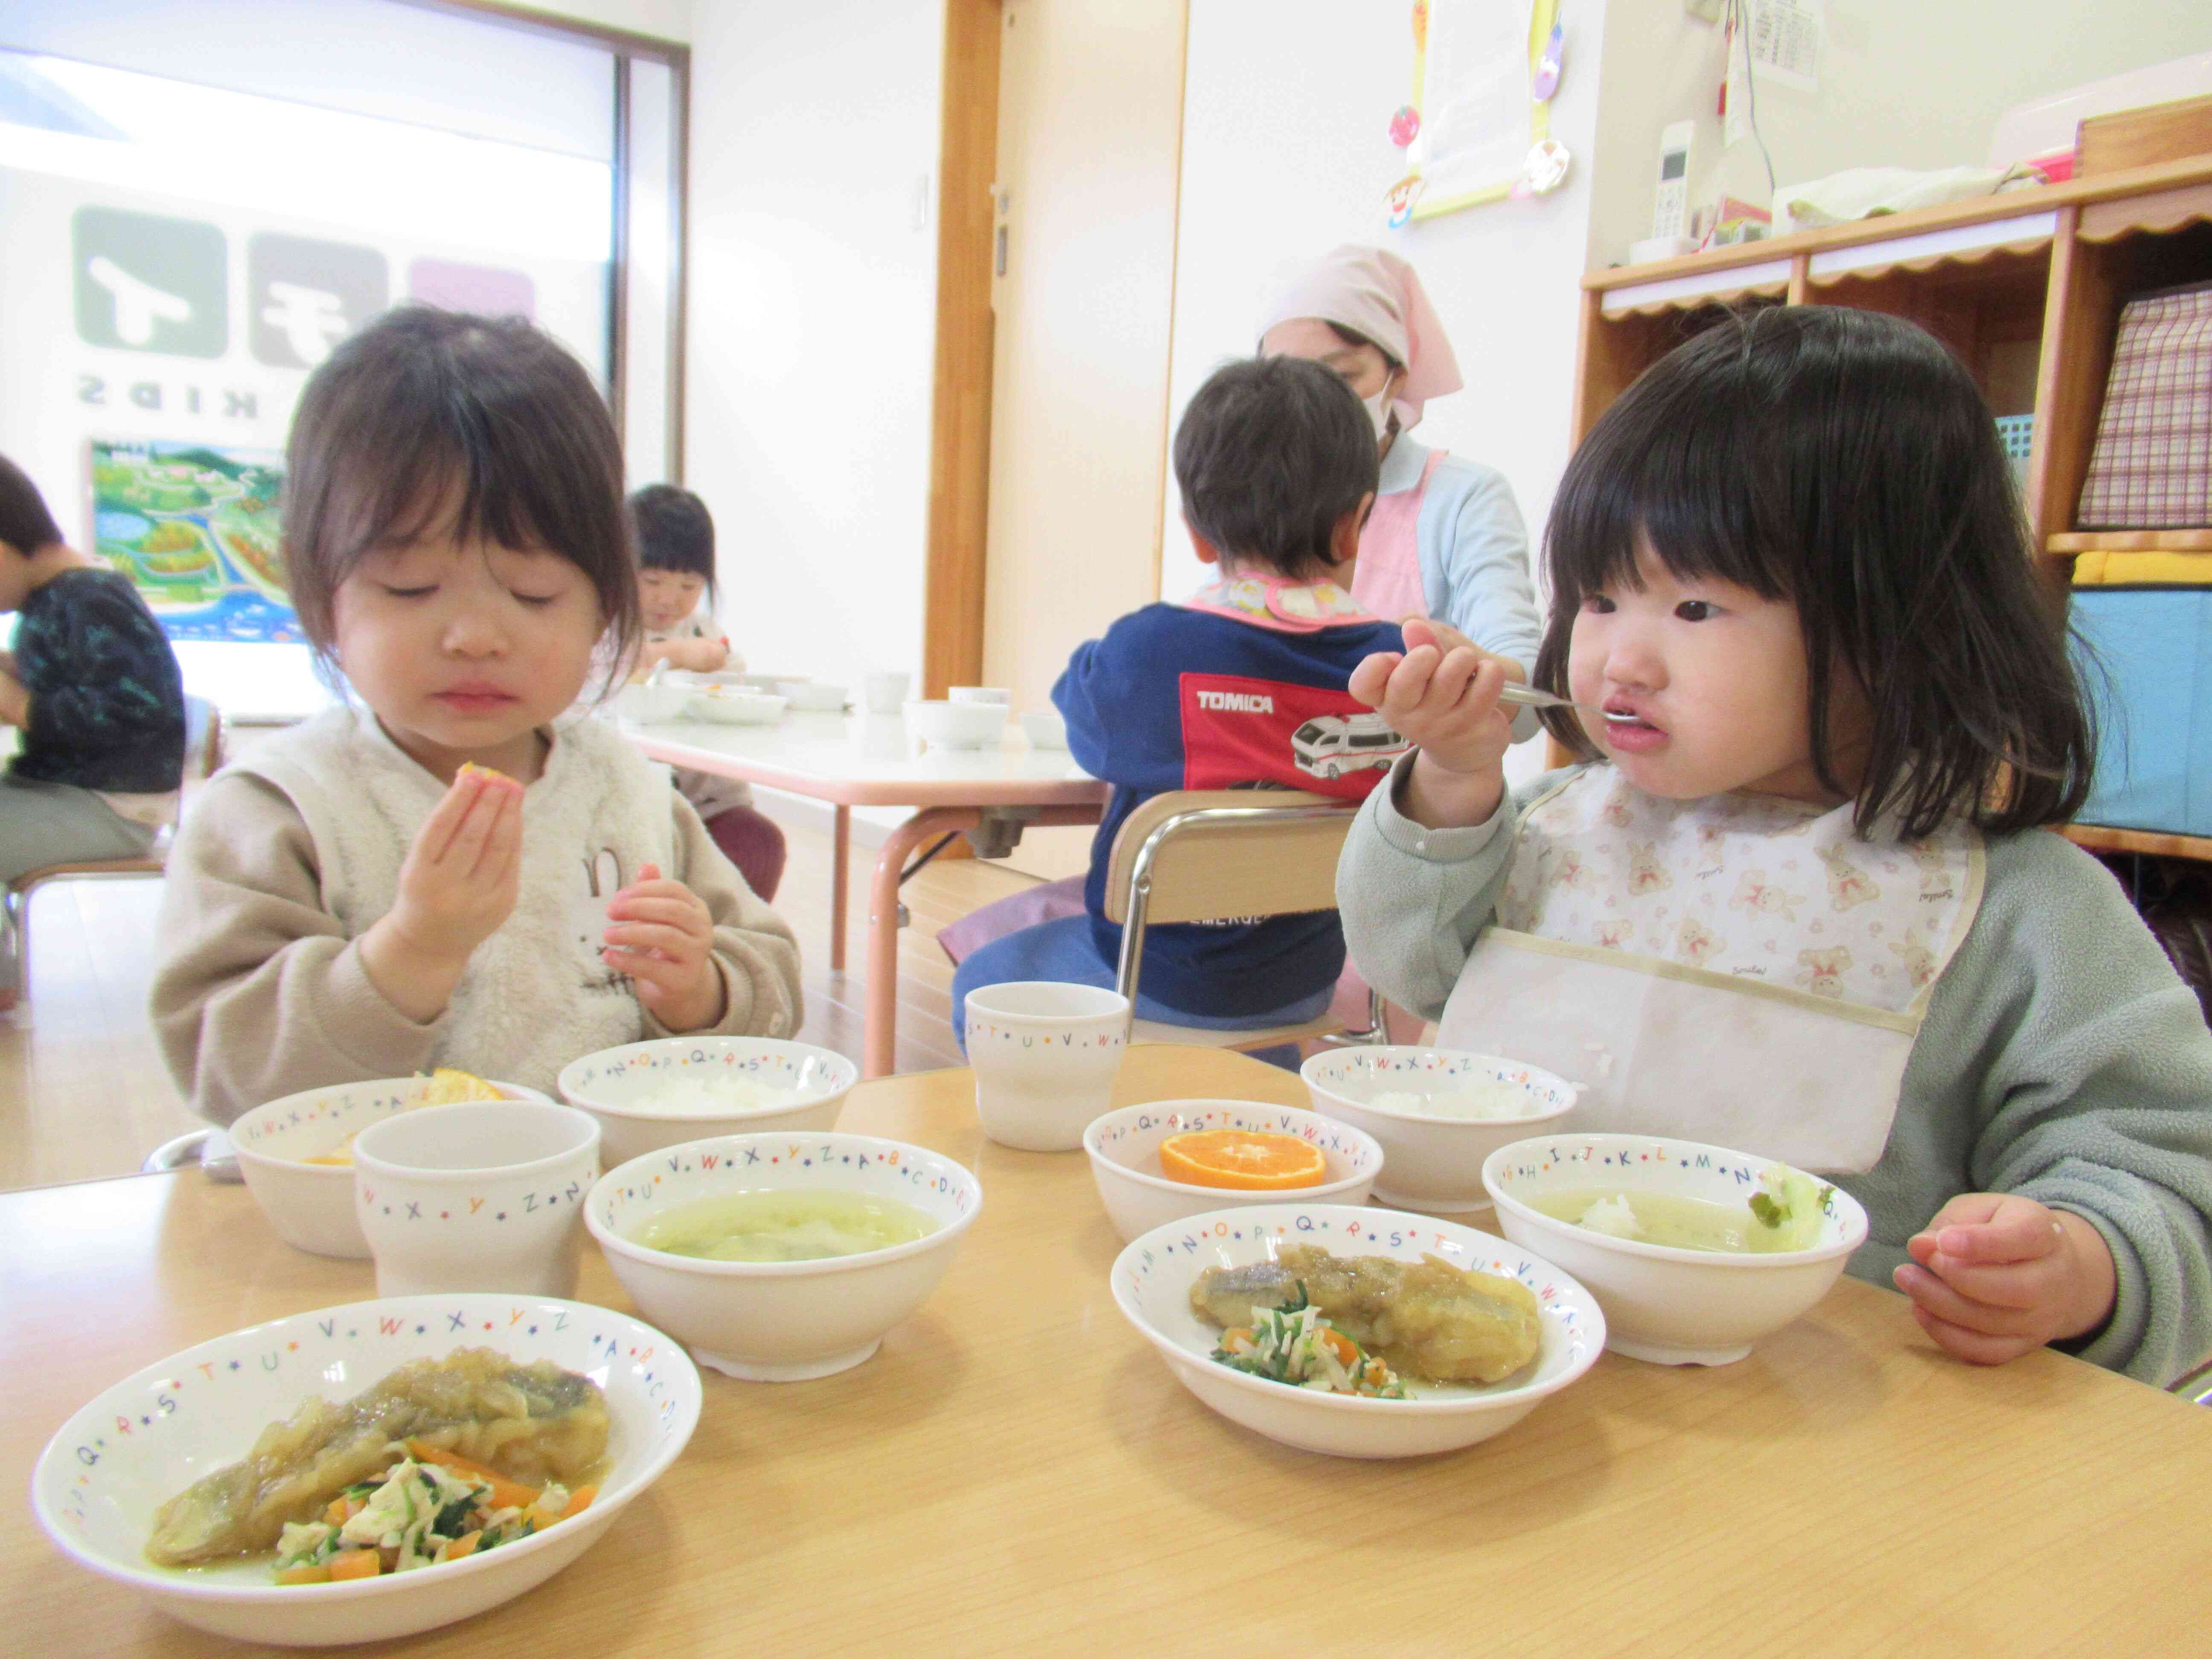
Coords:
647,1096
1437,1113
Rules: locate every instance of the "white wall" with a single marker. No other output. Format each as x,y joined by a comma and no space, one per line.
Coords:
1286,153
811,314
1900,85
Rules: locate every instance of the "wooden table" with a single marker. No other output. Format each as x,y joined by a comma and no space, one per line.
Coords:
867,760
1016,1472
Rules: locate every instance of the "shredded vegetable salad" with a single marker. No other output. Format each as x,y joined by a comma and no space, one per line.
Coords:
430,1506
1296,1344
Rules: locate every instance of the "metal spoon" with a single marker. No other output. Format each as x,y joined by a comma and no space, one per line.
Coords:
1529,697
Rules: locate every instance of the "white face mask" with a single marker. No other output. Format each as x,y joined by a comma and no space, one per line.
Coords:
1378,409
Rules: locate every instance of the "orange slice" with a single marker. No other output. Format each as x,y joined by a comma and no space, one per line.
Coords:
1243,1159
448,1085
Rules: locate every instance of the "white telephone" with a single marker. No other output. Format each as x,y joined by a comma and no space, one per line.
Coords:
1670,210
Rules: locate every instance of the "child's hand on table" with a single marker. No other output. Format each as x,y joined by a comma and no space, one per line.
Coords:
661,935
700,656
1995,1275
456,889
1442,695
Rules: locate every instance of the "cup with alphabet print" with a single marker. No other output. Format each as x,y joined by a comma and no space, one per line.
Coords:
485,1195
1044,1054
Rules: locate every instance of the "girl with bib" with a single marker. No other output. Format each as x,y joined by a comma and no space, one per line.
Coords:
1801,896
446,872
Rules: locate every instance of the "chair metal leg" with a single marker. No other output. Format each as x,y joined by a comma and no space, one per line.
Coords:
1377,1033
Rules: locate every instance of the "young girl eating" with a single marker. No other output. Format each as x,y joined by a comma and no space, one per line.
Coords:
442,875
1800,898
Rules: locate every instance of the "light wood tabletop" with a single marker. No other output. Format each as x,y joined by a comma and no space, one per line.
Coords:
1016,1472
868,760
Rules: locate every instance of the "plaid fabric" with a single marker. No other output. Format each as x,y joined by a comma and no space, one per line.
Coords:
2152,468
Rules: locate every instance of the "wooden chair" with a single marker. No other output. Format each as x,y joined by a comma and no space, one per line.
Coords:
1211,854
204,751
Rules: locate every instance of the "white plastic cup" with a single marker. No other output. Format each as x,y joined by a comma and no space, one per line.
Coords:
1044,1054
885,693
483,1195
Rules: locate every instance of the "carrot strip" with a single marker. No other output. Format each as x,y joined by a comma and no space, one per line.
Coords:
579,1500
318,1574
465,1545
505,1493
355,1564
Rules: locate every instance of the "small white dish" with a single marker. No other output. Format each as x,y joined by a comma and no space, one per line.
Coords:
615,1086
1124,1147
769,685
728,707
957,725
1672,1307
651,704
1151,1282
95,1490
783,1321
1044,729
483,1195
311,1205
998,696
812,697
1432,1163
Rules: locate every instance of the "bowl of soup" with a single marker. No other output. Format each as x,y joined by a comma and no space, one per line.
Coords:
780,1257
1436,1112
1695,1252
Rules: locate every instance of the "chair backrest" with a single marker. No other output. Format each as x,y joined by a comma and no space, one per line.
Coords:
202,738
1211,853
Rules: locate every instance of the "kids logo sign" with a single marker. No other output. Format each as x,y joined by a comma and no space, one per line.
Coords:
147,282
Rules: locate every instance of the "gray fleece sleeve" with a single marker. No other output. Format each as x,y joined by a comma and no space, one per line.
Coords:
1412,899
2063,1059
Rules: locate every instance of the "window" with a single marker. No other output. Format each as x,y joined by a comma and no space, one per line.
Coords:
200,202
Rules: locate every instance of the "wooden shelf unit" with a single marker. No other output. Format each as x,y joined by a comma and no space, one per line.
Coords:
2025,287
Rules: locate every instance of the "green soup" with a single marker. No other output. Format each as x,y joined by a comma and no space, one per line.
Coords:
1685,1223
783,1226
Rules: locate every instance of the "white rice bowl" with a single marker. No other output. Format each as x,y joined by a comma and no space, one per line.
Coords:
647,1096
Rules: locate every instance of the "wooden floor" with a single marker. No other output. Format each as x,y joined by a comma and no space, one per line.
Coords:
83,1093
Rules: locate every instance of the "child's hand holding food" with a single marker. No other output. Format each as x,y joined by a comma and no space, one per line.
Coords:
700,656
661,935
456,889
1995,1275
1441,694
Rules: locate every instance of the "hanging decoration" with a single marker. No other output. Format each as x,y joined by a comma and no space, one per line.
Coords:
1477,128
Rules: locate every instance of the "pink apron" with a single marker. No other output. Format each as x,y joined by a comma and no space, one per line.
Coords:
1387,580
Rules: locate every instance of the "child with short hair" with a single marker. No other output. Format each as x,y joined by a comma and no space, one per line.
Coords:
676,585
1800,897
675,575
447,873
93,686
1275,460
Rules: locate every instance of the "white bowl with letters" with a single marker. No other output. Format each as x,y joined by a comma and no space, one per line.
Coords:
728,707
311,1205
1124,1148
96,1491
1670,1306
813,696
618,1086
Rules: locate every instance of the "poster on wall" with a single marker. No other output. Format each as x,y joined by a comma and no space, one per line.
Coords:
194,527
1474,117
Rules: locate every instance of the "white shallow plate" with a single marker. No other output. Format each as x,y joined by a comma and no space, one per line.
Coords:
1152,1286
137,1445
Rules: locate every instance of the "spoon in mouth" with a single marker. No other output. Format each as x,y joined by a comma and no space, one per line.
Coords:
1529,696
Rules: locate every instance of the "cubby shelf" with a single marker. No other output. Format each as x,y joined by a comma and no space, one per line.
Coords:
2106,838
2071,541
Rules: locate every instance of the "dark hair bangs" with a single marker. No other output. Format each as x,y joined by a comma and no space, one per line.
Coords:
430,424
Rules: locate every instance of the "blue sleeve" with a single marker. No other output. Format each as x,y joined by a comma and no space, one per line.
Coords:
1077,694
1474,563
1119,697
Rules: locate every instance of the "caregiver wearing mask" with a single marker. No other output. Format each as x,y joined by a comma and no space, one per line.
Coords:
1446,539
